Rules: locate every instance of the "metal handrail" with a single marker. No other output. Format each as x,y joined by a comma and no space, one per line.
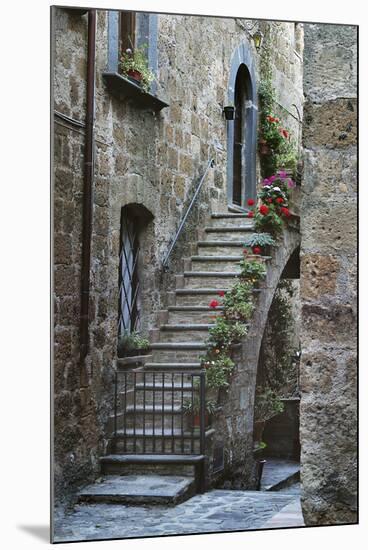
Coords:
165,262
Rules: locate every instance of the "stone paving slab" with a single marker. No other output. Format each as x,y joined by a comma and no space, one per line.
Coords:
290,516
138,489
277,471
214,511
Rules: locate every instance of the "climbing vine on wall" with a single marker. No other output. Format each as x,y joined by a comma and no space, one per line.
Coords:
277,148
278,368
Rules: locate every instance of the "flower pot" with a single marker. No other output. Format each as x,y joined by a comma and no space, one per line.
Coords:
229,111
264,148
136,76
196,422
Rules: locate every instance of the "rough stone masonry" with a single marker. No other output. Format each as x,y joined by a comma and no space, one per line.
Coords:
328,277
145,158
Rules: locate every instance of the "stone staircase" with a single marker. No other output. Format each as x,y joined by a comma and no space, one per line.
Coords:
177,344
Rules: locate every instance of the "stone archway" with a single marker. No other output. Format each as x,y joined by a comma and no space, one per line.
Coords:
234,425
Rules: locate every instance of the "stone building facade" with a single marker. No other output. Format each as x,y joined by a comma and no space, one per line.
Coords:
148,158
328,276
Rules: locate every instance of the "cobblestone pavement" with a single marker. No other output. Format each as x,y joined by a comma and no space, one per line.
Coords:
214,511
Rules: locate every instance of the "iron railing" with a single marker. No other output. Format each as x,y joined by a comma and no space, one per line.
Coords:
159,412
165,262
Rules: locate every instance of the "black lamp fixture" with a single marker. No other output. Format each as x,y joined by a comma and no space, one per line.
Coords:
229,111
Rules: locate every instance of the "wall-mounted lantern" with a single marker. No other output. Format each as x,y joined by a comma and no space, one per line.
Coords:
229,111
258,39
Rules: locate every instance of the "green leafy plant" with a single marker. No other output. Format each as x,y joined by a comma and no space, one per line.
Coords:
252,270
267,404
135,61
224,334
129,342
238,302
269,222
260,239
218,371
282,150
194,406
279,370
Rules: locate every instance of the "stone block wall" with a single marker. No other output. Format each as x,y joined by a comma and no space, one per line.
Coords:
141,157
328,277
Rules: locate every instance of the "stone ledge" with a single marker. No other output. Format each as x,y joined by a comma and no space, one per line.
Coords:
125,88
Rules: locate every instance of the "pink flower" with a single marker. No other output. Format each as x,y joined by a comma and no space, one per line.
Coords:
272,179
266,181
282,174
291,183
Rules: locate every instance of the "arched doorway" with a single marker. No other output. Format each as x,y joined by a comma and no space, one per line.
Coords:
241,132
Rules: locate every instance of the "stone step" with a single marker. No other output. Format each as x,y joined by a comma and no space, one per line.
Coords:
228,233
215,263
177,441
198,314
210,279
169,416
184,332
201,297
167,464
187,352
139,489
279,473
228,219
174,366
220,248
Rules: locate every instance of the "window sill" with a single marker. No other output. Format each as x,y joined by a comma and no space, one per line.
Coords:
125,88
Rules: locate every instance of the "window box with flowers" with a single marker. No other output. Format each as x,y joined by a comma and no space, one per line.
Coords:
132,58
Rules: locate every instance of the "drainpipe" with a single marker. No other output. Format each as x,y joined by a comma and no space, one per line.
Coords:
88,187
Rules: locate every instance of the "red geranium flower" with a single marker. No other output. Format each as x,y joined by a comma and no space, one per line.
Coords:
276,119
285,211
214,304
264,209
269,200
285,133
245,251
280,200
250,202
250,214
221,293
256,250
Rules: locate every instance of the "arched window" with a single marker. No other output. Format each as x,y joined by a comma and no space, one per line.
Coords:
242,131
134,218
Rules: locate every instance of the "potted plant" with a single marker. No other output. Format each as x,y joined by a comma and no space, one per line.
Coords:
131,344
224,334
192,409
252,270
264,148
259,243
134,65
238,302
229,111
